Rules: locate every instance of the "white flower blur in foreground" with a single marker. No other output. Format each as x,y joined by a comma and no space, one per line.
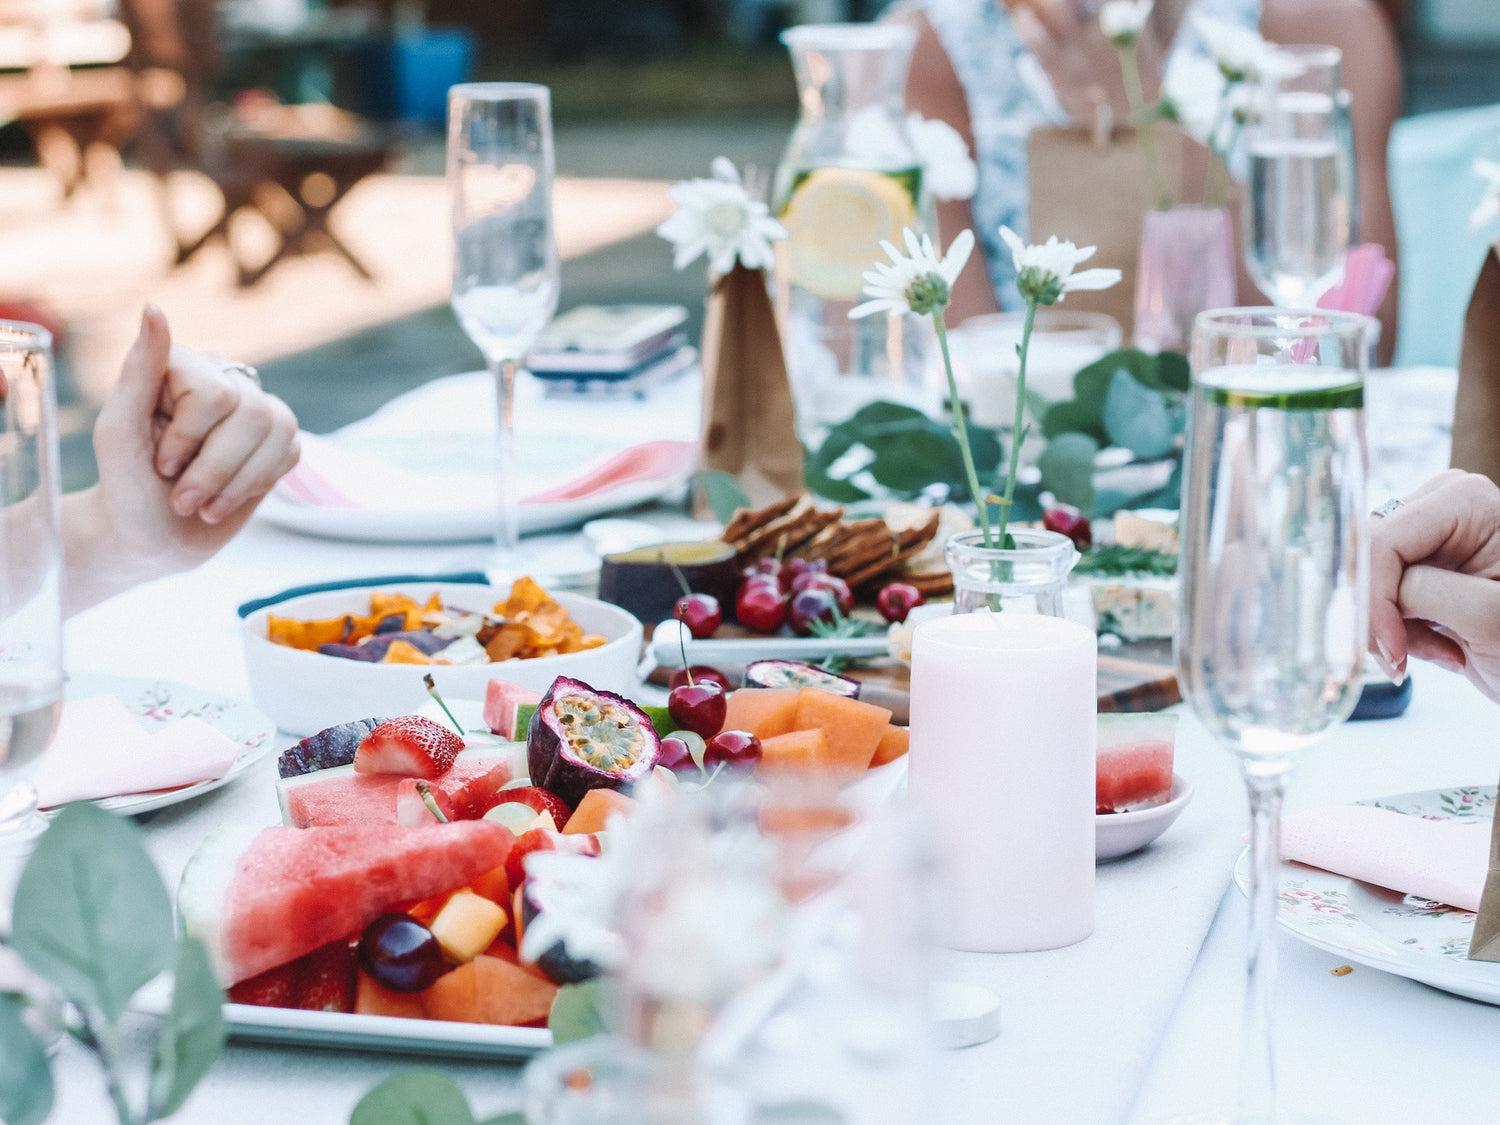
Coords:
578,900
1122,21
1044,273
716,216
948,171
1193,88
1489,207
1241,54
917,281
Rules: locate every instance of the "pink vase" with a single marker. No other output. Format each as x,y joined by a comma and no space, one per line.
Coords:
1186,265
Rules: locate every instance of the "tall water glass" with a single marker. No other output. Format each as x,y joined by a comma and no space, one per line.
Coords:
505,268
1275,578
1299,221
31,676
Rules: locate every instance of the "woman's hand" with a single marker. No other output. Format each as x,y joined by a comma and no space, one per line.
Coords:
186,449
1434,568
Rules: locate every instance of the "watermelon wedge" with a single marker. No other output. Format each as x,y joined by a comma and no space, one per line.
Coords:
501,701
1134,766
259,898
341,796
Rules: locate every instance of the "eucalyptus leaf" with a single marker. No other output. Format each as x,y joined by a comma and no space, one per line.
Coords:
819,483
723,493
25,1077
1067,466
193,1033
886,414
91,913
1138,418
1173,372
516,1118
578,1012
837,442
1074,417
911,462
985,447
414,1097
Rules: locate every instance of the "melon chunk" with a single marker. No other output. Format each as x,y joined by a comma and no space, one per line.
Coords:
489,990
852,727
799,751
1134,766
595,808
764,712
373,999
466,925
266,898
501,701
893,744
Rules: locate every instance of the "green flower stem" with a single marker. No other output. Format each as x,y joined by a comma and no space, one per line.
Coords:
1135,94
1018,432
961,427
1217,175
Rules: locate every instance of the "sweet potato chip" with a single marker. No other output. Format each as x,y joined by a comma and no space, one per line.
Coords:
404,652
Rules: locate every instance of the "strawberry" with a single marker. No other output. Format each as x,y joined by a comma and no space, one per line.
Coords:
326,979
539,799
537,840
410,746
271,989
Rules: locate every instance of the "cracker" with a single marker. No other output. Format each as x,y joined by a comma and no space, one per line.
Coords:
746,520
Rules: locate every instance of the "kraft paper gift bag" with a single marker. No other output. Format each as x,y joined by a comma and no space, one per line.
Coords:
749,424
1485,944
1476,415
1089,187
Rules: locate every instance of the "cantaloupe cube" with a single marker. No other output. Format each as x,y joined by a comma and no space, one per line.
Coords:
466,925
372,998
799,751
489,990
853,728
594,808
493,885
893,744
764,712
429,908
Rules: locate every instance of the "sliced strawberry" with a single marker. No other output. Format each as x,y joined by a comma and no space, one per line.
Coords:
413,811
326,979
410,746
271,989
537,840
539,799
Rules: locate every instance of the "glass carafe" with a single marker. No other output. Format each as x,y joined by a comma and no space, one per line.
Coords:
849,179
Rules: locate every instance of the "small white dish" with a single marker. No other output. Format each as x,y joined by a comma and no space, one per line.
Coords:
1120,834
307,691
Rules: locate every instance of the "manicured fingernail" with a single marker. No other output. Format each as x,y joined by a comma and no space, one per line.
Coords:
215,510
1396,675
187,503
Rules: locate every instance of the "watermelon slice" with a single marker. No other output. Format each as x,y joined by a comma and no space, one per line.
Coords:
501,700
1134,767
342,796
259,898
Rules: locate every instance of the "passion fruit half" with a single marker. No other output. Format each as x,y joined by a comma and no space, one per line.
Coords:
581,738
794,674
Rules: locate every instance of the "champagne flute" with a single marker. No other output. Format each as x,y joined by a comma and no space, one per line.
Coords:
505,268
1300,219
31,674
1275,578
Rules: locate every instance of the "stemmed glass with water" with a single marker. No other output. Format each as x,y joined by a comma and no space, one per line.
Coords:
1275,578
505,267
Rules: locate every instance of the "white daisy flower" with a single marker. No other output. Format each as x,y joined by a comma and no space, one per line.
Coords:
948,171
1122,21
918,280
1242,55
717,216
1045,274
1193,89
1489,207
579,899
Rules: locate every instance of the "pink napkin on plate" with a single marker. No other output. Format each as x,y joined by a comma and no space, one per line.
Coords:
1443,860
100,750
1368,273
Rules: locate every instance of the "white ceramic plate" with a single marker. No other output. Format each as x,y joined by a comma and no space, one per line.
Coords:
731,652
1120,834
307,691
1402,934
158,703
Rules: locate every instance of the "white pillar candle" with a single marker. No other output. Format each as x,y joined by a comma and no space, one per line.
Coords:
1002,760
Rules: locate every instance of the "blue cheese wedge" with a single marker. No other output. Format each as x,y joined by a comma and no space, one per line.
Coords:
1135,606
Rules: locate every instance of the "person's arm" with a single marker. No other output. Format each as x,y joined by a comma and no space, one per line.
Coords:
186,448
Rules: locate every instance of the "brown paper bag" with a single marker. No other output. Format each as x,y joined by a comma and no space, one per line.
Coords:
1484,945
1092,190
1476,415
749,425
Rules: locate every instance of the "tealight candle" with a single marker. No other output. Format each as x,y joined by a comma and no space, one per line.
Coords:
1002,759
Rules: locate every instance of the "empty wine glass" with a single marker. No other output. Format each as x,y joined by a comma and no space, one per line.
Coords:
1275,578
31,676
505,269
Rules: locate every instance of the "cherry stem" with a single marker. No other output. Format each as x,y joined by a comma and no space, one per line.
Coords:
687,668
687,591
433,691
425,792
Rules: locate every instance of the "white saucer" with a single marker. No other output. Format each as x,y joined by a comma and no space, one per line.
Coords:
1119,834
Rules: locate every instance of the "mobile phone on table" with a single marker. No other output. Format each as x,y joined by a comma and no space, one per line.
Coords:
1379,698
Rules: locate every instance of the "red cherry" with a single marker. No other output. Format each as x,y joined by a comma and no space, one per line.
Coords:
843,597
762,568
1068,520
699,708
700,613
896,600
676,755
760,606
702,673
796,573
810,606
737,749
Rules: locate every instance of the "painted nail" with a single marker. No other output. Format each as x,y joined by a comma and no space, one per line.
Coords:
1396,675
187,503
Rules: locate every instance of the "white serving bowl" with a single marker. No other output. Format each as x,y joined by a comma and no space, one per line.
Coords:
1119,834
307,691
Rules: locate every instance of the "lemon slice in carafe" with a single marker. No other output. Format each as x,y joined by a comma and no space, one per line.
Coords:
835,220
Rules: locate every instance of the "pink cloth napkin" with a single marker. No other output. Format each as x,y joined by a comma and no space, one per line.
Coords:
1444,860
1368,273
101,750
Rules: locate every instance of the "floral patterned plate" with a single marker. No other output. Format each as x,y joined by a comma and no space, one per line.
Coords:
1402,934
157,703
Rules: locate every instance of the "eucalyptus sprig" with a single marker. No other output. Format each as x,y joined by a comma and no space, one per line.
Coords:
93,919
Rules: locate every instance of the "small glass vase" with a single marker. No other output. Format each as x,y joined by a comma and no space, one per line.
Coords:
1186,265
1028,578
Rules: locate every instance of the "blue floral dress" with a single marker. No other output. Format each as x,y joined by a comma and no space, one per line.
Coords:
1009,94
